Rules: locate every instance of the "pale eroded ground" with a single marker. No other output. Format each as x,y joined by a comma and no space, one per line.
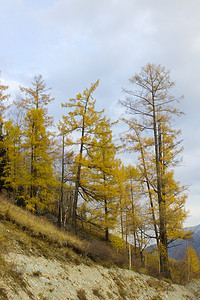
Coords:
50,279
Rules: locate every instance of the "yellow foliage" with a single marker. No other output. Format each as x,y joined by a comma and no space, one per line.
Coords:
193,261
30,149
118,242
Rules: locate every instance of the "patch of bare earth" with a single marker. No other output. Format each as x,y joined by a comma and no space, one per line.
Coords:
42,278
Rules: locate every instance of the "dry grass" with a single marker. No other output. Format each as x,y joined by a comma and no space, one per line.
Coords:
119,281
37,234
81,294
3,294
22,231
156,284
103,253
37,274
157,298
9,271
38,226
97,293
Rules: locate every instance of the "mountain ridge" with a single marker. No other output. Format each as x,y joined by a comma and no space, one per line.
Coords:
178,249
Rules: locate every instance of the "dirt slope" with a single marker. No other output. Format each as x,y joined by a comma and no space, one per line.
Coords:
40,278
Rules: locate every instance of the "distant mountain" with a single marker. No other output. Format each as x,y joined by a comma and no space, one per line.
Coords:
177,249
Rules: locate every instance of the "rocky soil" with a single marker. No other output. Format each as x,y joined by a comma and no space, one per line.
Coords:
40,278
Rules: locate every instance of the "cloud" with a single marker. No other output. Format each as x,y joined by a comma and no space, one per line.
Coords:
73,43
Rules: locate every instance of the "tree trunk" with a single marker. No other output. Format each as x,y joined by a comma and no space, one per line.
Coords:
129,255
164,262
78,176
121,220
74,208
148,185
106,219
60,212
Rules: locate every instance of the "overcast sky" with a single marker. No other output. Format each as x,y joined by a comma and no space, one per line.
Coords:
72,43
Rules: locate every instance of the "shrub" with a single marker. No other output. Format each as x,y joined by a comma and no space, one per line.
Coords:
81,294
97,293
98,251
3,294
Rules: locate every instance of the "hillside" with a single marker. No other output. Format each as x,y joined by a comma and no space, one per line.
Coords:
177,249
40,278
40,262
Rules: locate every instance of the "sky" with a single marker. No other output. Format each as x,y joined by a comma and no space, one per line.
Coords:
72,43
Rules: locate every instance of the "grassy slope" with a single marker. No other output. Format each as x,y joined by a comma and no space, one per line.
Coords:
25,233
20,227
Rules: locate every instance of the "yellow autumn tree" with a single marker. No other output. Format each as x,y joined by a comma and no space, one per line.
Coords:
99,181
14,168
36,95
38,146
152,109
123,196
133,211
78,125
3,98
193,264
134,141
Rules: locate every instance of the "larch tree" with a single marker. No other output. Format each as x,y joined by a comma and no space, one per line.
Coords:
99,180
133,207
79,126
36,96
66,176
152,106
132,216
134,141
62,181
122,196
38,146
3,98
14,168
192,261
